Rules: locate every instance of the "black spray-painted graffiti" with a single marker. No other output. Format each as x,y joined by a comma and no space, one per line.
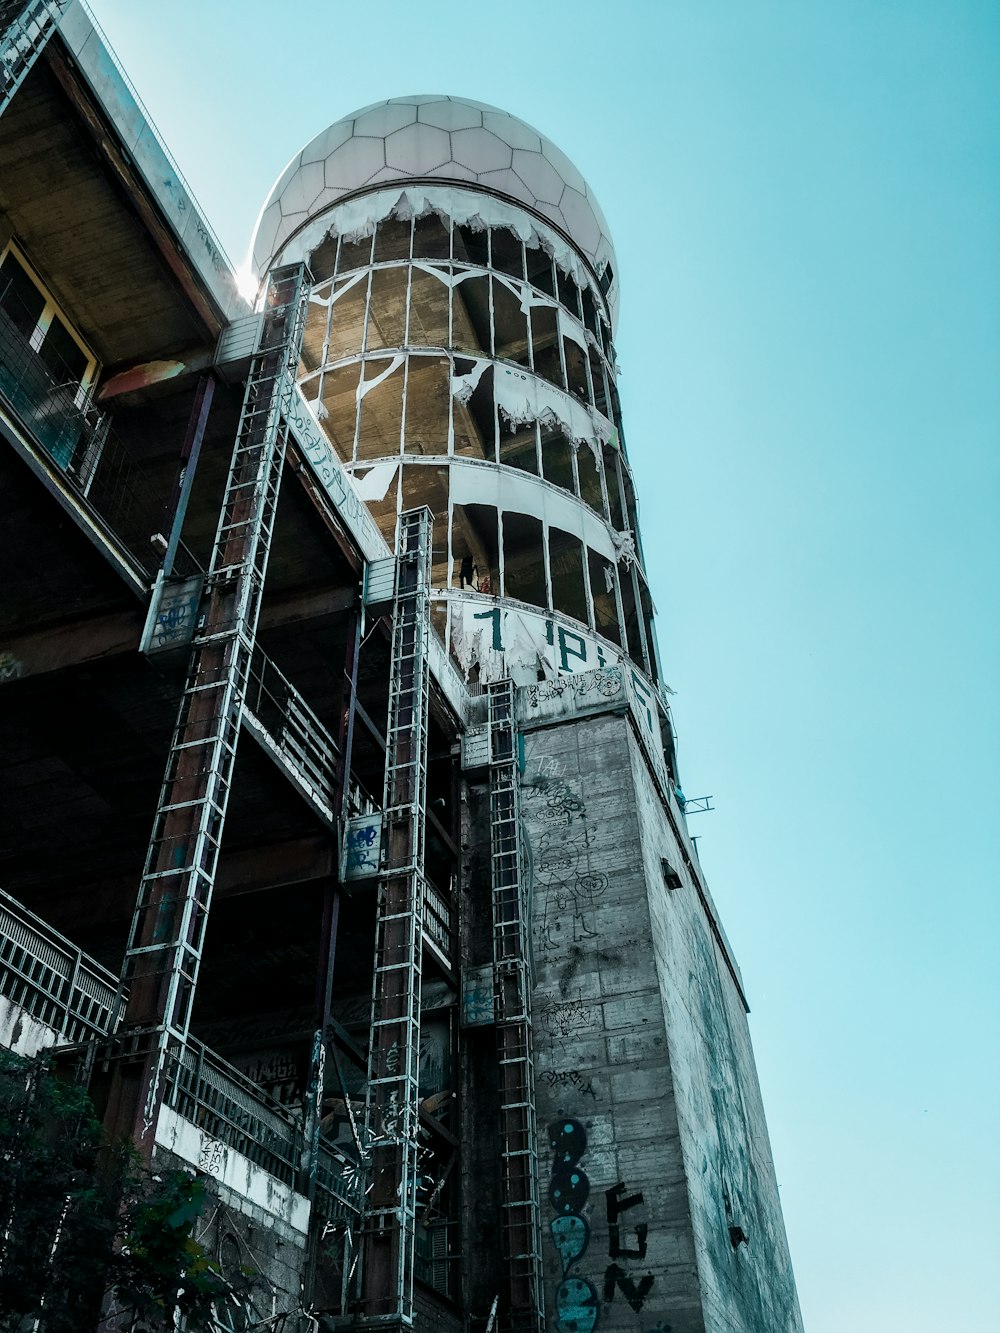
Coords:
577,1305
615,1275
569,1078
566,1017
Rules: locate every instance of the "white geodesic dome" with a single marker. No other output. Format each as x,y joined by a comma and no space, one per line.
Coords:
432,138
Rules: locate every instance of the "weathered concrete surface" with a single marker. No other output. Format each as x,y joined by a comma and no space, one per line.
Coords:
21,1032
650,1124
253,1226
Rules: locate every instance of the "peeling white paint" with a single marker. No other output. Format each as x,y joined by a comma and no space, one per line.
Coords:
374,484
366,386
524,398
521,493
359,218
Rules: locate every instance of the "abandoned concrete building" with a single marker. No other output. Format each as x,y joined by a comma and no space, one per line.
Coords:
341,821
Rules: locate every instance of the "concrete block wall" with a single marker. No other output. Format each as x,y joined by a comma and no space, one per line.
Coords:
746,1285
651,1132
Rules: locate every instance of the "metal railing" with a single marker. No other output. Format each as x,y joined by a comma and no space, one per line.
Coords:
51,979
97,464
298,733
213,1095
340,1193
432,1264
437,919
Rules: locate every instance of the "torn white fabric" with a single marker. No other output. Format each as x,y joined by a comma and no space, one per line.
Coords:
374,484
512,491
359,217
366,386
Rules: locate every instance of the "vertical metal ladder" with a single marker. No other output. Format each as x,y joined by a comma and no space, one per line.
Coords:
511,990
24,30
391,1110
168,926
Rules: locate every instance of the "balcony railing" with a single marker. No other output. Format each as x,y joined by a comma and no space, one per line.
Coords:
214,1096
51,979
98,466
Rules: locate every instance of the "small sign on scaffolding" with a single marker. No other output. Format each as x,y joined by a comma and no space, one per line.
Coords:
477,996
173,613
362,848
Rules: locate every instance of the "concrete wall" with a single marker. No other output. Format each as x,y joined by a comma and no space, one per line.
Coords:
252,1223
651,1131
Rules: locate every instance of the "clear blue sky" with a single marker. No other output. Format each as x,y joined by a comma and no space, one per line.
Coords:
805,197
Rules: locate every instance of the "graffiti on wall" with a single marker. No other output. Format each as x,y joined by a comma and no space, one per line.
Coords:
577,1305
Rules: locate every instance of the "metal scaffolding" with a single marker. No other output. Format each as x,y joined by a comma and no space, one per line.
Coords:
391,1111
168,926
512,1006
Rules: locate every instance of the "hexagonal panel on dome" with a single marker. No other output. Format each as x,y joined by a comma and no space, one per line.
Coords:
564,166
378,121
324,144
440,138
539,175
480,150
417,148
354,163
580,219
512,131
449,115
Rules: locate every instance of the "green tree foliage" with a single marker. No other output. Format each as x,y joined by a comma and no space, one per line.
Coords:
74,1237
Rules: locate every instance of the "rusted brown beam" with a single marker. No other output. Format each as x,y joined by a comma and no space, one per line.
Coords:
318,608
141,376
53,647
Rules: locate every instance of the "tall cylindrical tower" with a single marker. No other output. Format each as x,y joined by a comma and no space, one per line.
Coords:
459,355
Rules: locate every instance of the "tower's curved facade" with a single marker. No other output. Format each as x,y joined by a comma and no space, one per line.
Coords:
459,354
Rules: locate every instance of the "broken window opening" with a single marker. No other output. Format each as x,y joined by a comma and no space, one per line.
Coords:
428,311
507,252
475,551
347,319
576,370
518,445
383,511
354,253
314,337
381,409
606,279
557,457
598,381
472,246
429,486
569,593
540,269
510,325
392,239
473,419
603,578
338,396
431,238
590,312
614,488
387,309
323,260
428,406
569,292
633,633
524,559
589,475
545,344
471,316
646,609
